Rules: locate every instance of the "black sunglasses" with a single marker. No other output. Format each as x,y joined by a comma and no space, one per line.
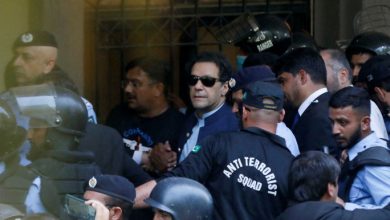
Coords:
207,81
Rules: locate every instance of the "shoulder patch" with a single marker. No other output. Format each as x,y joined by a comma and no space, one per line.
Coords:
196,149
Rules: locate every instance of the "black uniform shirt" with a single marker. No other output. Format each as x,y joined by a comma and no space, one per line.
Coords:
245,172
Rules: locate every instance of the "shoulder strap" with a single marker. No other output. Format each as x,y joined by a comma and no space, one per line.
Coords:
374,156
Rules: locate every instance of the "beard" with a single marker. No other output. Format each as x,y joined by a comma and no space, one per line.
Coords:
355,138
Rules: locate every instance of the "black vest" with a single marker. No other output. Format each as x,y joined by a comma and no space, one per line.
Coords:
14,185
67,170
374,156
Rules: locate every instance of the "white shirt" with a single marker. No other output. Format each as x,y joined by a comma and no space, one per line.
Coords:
377,123
312,98
291,143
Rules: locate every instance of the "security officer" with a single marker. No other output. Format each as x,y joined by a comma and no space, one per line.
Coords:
364,46
115,193
57,119
178,198
15,180
245,170
254,34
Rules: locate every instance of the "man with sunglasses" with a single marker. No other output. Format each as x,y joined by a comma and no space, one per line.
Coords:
245,171
209,78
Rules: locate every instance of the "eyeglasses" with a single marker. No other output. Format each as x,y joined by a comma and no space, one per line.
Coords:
207,81
134,83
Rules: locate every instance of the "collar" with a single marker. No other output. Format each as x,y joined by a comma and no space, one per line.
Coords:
370,141
207,114
275,138
312,98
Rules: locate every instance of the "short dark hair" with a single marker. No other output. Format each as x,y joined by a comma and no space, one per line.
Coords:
355,97
302,58
126,207
309,175
225,69
156,69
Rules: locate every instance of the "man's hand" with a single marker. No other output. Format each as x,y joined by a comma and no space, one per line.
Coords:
340,201
162,157
102,212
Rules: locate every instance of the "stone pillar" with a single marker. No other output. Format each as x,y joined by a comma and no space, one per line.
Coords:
65,19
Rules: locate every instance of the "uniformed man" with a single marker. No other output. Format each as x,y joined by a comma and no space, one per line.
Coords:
57,119
114,192
15,180
178,198
35,59
244,171
364,46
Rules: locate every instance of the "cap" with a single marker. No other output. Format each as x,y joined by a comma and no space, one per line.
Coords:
375,70
251,74
35,38
112,185
8,212
263,95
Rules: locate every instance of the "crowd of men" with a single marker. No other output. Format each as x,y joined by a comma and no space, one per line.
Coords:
299,132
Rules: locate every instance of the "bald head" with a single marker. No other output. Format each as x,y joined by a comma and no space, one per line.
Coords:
30,62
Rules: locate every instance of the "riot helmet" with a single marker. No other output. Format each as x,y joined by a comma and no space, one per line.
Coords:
256,34
302,39
183,198
60,110
11,135
374,43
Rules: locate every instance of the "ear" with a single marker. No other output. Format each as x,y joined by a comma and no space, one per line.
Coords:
282,113
332,190
365,123
380,94
302,76
49,66
331,193
159,89
343,77
116,213
244,113
225,89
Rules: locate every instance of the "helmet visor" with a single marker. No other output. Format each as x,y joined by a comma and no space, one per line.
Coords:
38,103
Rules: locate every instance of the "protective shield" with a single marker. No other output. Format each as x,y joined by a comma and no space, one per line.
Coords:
38,103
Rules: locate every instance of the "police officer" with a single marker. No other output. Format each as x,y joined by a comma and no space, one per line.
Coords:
115,193
178,198
364,46
255,34
15,179
57,119
243,170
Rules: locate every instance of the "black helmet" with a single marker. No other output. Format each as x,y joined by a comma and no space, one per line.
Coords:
375,43
183,198
263,33
302,39
11,135
53,107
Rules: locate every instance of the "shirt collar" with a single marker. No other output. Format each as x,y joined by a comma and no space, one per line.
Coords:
369,141
205,115
305,104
